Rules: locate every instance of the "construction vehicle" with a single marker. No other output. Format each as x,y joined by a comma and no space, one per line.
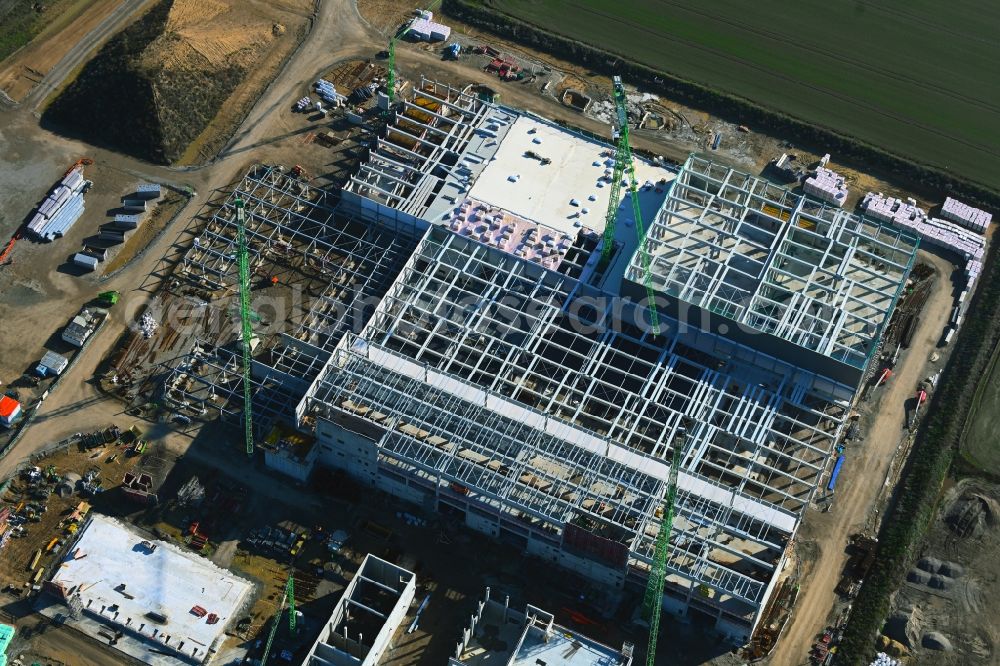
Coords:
452,51
625,168
10,246
246,326
83,161
921,398
652,603
109,298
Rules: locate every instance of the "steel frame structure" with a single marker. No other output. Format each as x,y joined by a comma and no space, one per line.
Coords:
473,372
421,148
342,266
738,246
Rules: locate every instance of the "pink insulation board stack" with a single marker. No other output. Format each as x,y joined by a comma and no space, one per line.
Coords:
826,185
428,30
931,230
966,215
511,233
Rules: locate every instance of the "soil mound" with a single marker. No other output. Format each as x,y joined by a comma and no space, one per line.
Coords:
157,85
972,513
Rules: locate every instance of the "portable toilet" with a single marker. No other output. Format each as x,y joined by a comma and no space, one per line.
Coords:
10,409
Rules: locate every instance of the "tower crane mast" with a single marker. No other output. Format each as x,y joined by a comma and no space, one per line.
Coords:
390,79
625,169
246,327
652,603
289,596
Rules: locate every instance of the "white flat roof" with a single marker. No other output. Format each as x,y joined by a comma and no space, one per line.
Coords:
542,193
168,581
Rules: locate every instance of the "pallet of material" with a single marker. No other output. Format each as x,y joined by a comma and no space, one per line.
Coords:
148,191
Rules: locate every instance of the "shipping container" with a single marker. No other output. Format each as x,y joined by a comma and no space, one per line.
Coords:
85,261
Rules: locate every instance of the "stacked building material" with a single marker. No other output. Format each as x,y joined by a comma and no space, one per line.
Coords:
428,30
151,191
85,261
937,233
966,215
826,185
328,93
890,209
934,231
62,208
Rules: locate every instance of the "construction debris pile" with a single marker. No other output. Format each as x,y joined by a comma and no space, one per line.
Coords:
62,208
966,215
147,325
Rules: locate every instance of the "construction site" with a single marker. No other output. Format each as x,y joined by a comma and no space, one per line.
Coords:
442,332
435,378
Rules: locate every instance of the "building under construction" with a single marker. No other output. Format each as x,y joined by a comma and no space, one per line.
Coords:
463,347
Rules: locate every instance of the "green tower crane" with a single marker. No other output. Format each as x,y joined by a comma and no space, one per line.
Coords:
288,596
652,603
246,317
625,168
390,81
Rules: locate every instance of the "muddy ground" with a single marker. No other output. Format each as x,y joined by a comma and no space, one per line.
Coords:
945,613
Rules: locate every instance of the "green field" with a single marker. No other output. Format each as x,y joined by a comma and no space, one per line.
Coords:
981,440
918,78
22,20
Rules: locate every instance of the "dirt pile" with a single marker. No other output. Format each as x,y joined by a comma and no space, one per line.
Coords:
972,513
158,84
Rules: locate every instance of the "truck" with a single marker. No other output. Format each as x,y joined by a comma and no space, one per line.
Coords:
109,298
452,51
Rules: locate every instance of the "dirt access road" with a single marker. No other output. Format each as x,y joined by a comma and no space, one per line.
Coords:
28,153
864,474
56,55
